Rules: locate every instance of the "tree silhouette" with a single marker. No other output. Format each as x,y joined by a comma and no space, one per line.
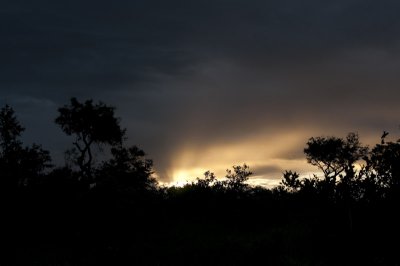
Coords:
11,146
209,183
18,164
336,158
236,179
90,124
291,181
128,170
10,130
211,220
385,163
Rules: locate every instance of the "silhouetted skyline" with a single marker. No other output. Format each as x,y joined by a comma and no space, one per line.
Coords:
207,84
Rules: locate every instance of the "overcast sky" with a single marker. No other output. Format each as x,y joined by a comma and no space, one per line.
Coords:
207,84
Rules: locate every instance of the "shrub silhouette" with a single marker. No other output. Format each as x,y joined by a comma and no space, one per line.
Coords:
128,171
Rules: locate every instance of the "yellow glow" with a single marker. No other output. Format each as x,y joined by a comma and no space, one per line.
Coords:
183,176
258,151
275,151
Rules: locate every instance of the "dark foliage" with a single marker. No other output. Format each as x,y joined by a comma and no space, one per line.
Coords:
90,124
347,216
19,165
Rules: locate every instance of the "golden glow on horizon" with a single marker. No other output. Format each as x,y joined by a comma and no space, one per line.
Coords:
267,154
188,175
267,157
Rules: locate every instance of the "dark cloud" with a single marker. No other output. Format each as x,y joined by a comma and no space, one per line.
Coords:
197,74
267,170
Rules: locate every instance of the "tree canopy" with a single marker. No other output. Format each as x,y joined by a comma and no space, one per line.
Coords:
90,123
18,164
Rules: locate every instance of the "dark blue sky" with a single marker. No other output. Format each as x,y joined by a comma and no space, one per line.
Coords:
207,84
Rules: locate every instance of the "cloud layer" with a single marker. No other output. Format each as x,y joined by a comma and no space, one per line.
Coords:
207,84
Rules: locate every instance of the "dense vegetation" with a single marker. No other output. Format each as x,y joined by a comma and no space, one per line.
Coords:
114,212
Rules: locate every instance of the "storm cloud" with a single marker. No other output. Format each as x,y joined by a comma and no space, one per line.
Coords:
207,84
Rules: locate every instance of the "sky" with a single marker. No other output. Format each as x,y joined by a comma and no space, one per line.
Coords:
204,85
